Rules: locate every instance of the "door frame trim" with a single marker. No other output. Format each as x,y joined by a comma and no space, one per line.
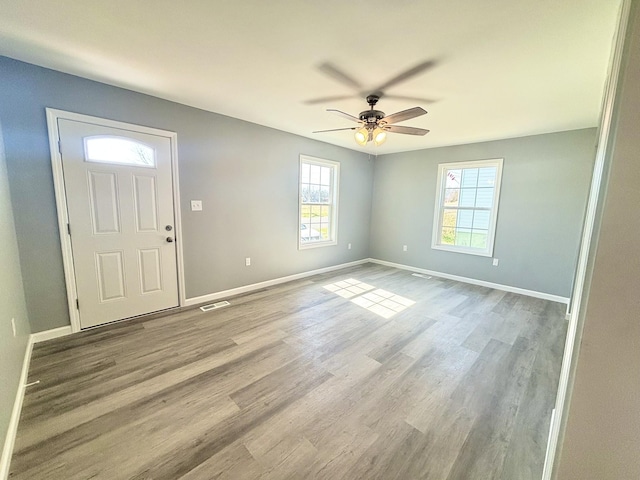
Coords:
53,115
576,316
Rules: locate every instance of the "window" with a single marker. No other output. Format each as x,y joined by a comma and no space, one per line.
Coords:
118,150
467,206
318,202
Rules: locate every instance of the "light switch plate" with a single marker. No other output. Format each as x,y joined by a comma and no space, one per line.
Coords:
196,205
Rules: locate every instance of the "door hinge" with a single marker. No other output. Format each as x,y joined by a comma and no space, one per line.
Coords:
77,304
60,147
69,228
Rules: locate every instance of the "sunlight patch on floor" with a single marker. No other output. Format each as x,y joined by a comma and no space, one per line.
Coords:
379,301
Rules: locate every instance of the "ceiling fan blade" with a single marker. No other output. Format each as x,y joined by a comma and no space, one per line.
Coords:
345,115
337,74
404,115
421,67
405,130
315,101
335,130
410,99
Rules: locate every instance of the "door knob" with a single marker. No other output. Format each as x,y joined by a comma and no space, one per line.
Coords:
169,239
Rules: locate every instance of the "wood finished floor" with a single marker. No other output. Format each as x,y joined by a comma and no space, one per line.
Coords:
298,382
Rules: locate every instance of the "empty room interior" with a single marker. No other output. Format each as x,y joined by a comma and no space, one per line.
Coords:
304,240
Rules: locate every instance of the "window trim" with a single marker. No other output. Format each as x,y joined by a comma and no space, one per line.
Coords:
335,188
439,207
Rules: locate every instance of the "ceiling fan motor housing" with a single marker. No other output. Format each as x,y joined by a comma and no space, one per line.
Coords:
371,116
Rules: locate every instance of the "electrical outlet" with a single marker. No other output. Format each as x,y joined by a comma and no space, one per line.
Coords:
495,262
349,247
196,205
13,326
404,248
247,261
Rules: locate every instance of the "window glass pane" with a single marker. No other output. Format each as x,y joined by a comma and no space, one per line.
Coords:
465,218
304,173
485,197
479,239
451,197
325,176
324,231
308,232
463,237
314,193
481,219
470,177
326,211
305,192
324,194
316,213
315,174
119,151
449,218
467,197
453,178
448,236
487,177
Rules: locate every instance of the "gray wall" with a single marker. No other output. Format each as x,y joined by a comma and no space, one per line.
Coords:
12,304
602,434
545,181
245,174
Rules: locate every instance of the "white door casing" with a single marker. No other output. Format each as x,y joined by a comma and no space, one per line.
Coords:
122,223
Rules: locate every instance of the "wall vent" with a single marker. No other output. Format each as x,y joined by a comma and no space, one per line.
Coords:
213,306
420,275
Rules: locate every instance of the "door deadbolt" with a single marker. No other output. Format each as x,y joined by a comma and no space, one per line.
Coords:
168,228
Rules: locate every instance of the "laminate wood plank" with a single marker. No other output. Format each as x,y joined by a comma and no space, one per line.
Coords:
395,343
285,459
432,455
343,446
190,387
294,381
38,432
311,408
50,399
532,423
232,463
485,447
189,456
386,456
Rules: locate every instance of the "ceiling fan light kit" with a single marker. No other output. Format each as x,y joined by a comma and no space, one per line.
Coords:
379,136
362,136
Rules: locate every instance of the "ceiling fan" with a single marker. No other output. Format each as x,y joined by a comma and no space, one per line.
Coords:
374,124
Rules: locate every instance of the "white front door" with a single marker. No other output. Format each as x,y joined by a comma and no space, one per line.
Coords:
119,191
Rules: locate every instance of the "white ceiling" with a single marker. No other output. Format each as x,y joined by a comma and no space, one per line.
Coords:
505,68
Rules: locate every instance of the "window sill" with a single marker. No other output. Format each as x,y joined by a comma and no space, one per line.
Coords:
468,251
305,246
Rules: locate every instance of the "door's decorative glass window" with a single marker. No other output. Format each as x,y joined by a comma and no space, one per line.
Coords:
467,206
119,151
318,201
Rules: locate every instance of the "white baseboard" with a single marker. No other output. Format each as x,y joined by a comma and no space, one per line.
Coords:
268,283
473,281
10,439
51,334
